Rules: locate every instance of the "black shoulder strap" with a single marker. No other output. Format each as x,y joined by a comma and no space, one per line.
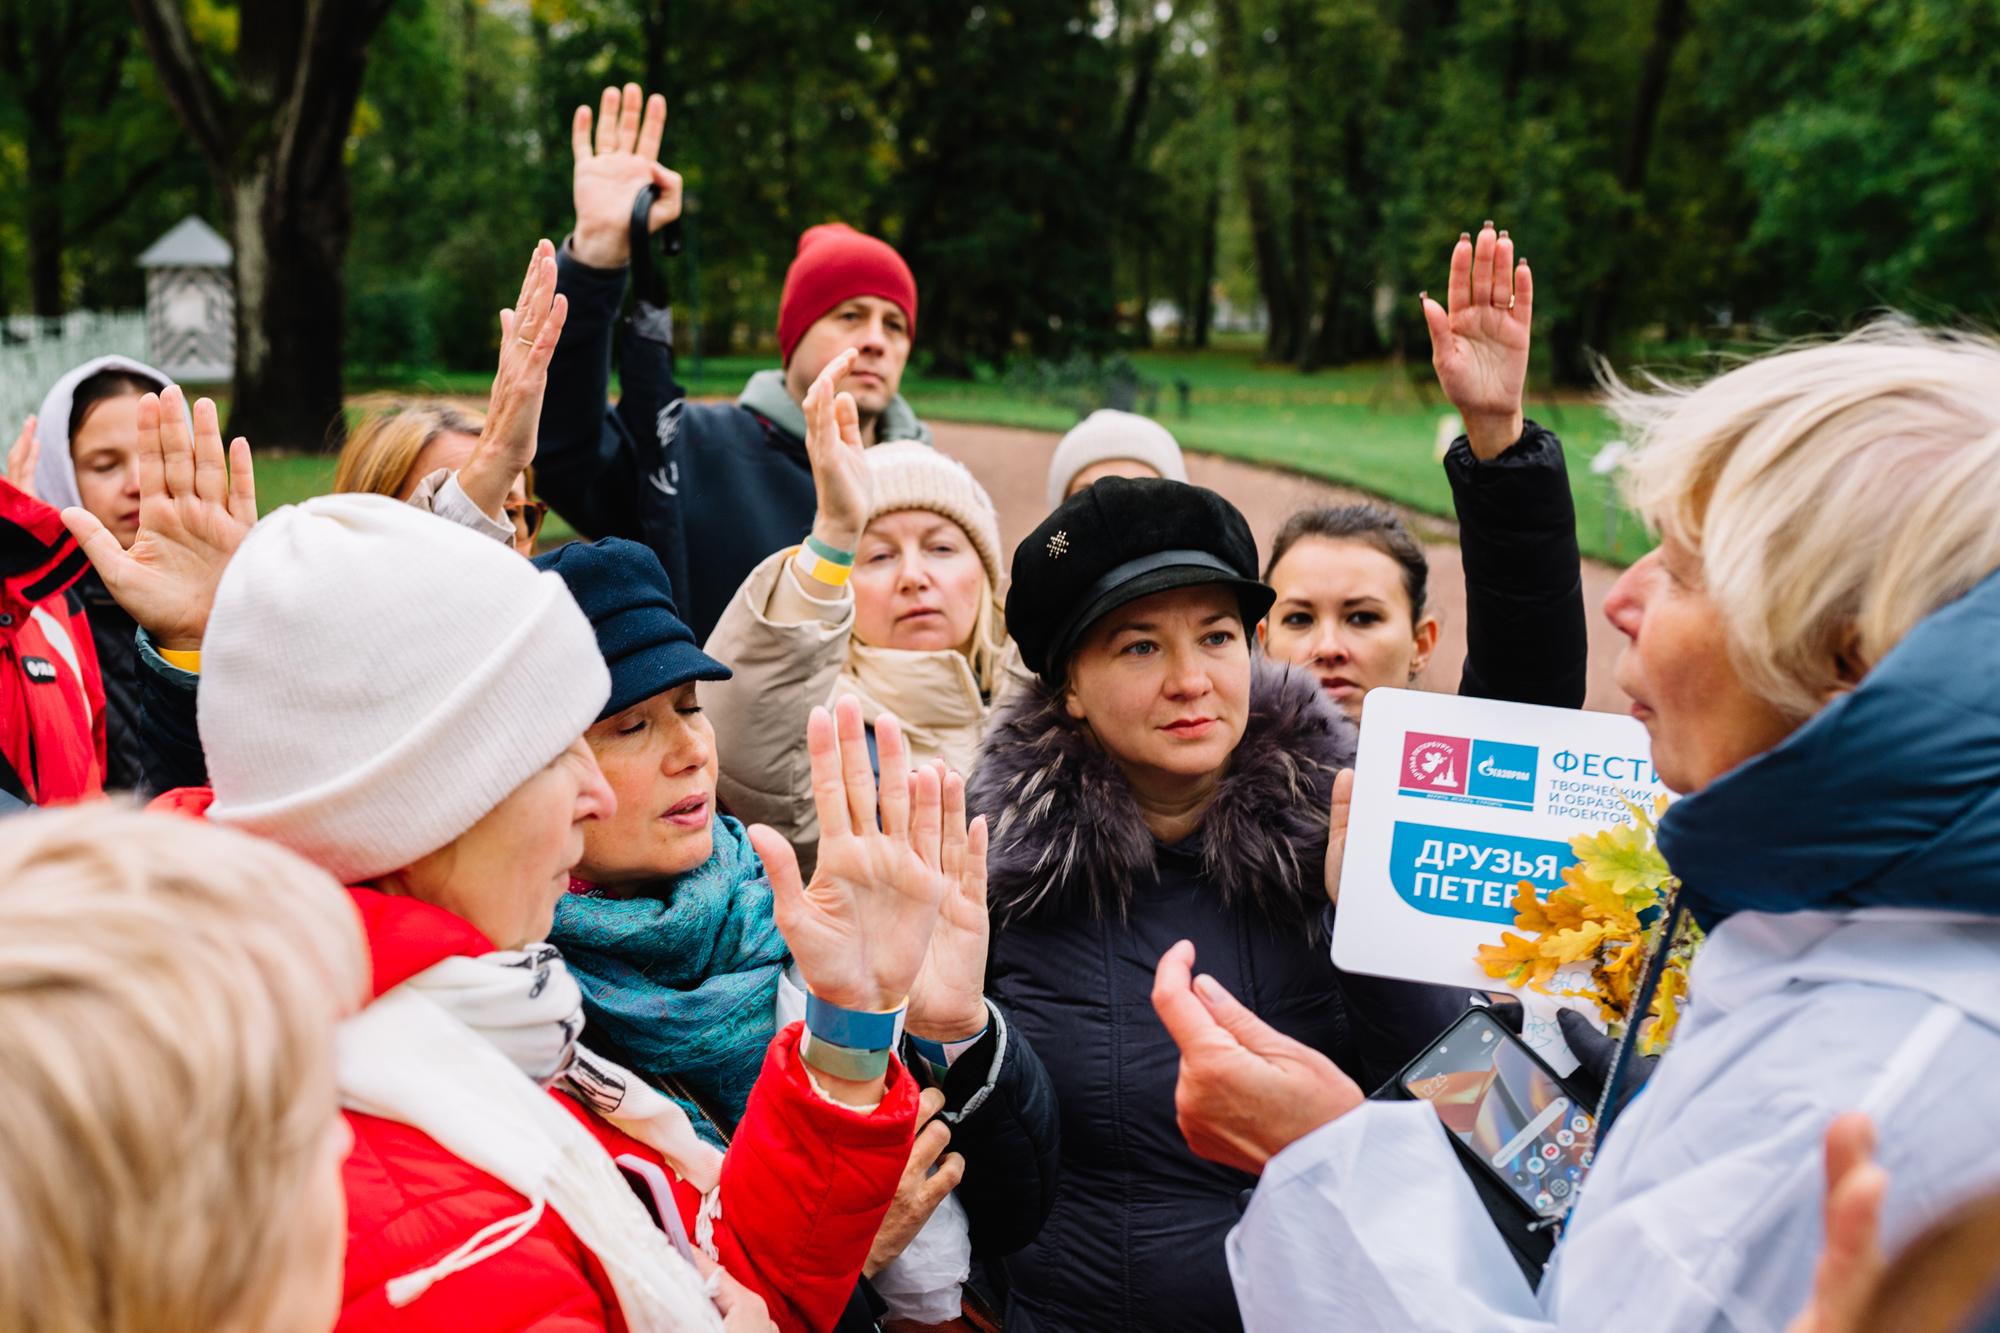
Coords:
647,283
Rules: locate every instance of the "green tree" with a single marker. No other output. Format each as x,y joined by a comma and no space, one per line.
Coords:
79,102
268,102
1003,112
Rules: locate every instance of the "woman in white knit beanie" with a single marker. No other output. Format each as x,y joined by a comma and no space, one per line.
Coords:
1110,443
893,598
402,701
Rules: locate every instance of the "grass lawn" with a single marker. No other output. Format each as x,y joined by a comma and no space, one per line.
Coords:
1353,425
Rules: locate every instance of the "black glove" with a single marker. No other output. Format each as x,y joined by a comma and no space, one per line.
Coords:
1594,1053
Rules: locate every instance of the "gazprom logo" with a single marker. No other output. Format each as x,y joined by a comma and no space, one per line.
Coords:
1468,770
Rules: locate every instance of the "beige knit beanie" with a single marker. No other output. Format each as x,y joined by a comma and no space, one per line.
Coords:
1107,434
909,475
375,679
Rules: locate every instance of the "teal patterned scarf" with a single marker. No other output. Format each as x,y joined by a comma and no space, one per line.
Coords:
684,980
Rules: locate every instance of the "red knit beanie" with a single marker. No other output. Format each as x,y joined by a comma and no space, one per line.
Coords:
836,263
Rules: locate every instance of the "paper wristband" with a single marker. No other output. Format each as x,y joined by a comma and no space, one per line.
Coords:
818,567
944,1054
825,552
843,1061
853,1028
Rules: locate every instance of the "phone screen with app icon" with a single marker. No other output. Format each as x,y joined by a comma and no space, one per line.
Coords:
1506,1106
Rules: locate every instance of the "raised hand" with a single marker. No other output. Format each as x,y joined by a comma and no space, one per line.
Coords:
1336,830
1246,1091
921,1190
1480,347
194,511
528,335
861,929
22,458
839,458
1852,1261
948,998
609,177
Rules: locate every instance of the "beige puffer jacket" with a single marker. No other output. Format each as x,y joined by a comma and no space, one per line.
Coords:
791,652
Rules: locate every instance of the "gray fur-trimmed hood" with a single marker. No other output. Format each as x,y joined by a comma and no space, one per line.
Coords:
1067,835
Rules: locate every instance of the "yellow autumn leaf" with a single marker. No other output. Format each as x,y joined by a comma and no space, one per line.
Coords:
1599,901
1511,960
1624,859
1570,945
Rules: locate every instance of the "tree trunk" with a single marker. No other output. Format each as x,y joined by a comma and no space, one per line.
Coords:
1305,217
1272,278
1204,298
48,164
40,38
1315,351
1670,24
275,148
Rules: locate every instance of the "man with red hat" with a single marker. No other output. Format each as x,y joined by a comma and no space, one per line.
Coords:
712,487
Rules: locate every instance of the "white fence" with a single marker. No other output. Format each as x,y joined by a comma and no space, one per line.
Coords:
35,352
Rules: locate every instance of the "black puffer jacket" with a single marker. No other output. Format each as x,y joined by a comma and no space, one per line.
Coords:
118,664
1085,901
1525,639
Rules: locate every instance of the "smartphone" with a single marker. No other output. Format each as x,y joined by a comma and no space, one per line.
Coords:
1509,1110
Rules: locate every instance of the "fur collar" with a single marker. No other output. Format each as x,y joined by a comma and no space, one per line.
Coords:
1068,836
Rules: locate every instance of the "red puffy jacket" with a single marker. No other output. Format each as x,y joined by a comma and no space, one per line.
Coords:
805,1184
51,697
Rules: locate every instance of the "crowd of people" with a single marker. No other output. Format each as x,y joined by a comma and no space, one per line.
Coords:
781,908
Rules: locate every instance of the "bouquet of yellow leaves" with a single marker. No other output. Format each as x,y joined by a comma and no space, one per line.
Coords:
1596,916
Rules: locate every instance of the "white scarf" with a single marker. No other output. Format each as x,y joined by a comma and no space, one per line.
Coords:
463,1052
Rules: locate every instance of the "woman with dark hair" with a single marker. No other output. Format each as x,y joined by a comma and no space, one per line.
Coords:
1160,781
1350,581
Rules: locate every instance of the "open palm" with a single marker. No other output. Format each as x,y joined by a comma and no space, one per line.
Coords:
1479,346
610,174
948,998
861,928
528,336
195,509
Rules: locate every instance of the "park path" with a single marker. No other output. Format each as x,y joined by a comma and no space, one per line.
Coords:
1013,465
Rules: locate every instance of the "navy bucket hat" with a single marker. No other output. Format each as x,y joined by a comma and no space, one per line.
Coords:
623,588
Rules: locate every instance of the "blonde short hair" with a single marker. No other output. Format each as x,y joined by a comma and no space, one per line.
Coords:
168,995
1835,494
379,454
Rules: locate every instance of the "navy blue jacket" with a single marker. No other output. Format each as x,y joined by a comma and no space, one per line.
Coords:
1888,797
621,470
713,488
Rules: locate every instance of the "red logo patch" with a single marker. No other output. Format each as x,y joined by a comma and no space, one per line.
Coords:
1435,763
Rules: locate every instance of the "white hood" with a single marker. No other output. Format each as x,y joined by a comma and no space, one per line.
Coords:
55,472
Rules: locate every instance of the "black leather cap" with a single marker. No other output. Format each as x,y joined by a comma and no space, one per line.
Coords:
1114,542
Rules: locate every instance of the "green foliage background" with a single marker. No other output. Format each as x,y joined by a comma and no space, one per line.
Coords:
1051,167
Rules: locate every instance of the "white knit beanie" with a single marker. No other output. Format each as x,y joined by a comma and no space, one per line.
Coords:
910,475
374,680
1107,434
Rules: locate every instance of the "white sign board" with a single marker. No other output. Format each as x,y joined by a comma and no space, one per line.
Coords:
1456,802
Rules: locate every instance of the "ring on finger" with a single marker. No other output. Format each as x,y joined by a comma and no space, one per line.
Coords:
525,342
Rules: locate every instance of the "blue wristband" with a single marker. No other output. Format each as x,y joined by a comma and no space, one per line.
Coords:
855,1029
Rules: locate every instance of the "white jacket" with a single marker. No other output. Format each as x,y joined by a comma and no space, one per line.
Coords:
1703,1210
